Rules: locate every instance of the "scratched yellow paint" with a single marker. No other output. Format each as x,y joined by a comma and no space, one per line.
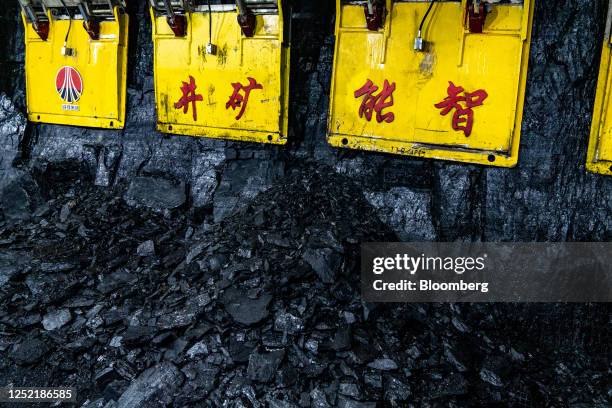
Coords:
102,65
264,57
599,157
495,61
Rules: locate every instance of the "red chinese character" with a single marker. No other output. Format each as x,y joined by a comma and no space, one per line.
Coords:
463,117
237,99
376,103
189,96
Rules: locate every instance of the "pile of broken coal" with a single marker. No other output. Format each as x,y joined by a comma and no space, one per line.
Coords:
140,309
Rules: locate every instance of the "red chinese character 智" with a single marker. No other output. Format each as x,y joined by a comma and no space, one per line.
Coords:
462,103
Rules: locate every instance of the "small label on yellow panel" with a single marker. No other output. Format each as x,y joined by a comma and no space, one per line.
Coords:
70,108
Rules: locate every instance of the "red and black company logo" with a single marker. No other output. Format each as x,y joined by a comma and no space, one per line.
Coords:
69,84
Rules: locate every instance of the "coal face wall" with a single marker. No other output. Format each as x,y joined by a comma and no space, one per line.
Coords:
548,197
114,299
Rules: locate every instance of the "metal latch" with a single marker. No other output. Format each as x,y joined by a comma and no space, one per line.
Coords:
246,19
90,24
374,14
177,22
476,15
40,26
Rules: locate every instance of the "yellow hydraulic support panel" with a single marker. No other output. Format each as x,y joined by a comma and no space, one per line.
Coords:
437,79
599,157
76,61
221,69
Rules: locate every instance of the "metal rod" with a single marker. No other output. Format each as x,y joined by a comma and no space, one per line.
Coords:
169,10
30,13
608,32
242,8
83,10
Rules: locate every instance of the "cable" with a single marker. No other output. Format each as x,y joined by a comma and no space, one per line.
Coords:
426,14
69,22
66,51
209,22
210,48
418,42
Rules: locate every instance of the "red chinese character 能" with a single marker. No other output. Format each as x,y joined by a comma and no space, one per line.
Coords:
237,100
189,96
463,117
376,103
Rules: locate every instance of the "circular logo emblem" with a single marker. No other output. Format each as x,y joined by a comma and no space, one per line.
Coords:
69,84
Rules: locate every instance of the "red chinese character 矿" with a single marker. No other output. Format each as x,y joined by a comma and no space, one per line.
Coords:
189,96
376,103
237,100
463,117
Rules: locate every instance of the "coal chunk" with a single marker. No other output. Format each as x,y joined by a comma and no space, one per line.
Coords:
453,384
19,198
147,248
201,380
29,351
153,388
383,364
490,377
344,402
245,310
241,181
56,319
396,390
156,193
11,264
288,323
325,262
264,365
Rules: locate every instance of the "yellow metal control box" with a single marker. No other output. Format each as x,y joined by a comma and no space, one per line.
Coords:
73,79
216,78
599,157
454,91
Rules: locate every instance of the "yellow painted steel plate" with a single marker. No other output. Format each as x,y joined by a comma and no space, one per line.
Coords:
87,89
599,157
241,93
461,99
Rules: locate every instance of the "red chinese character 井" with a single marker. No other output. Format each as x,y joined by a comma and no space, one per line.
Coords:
189,96
463,117
237,100
376,103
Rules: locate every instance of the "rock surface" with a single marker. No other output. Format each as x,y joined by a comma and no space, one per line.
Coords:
156,193
12,132
248,321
